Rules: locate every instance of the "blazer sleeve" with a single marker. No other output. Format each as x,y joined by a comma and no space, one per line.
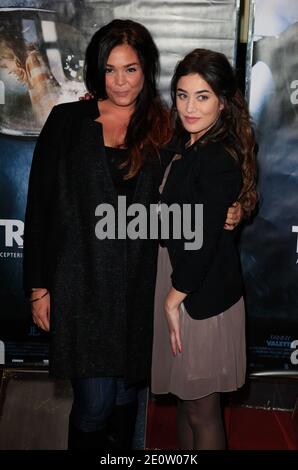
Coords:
41,186
216,187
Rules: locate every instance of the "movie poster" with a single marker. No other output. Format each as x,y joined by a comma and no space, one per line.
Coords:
270,243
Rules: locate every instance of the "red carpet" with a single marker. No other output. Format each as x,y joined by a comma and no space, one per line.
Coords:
247,428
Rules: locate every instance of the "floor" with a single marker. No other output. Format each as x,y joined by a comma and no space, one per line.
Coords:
34,413
246,428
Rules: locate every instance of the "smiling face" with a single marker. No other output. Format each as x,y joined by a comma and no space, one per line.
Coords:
124,77
197,105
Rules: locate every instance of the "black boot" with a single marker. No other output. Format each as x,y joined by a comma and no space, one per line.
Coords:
121,426
80,440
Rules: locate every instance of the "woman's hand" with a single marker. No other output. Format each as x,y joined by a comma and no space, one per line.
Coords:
234,216
86,97
172,310
41,308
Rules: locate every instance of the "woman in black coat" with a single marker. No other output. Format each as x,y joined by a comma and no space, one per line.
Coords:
200,286
95,293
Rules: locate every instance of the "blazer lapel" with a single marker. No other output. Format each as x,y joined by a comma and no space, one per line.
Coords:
91,147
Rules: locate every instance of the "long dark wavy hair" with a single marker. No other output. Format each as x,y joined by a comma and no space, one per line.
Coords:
233,127
149,126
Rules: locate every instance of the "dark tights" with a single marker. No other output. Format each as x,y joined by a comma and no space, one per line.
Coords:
199,424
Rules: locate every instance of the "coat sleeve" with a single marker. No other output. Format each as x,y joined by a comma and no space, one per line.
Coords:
216,187
40,190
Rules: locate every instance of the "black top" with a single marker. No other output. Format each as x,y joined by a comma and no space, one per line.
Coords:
206,174
124,187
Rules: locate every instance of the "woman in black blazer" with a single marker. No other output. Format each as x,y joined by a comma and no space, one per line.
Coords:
214,165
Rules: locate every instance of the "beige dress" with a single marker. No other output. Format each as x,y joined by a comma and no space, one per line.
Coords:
213,357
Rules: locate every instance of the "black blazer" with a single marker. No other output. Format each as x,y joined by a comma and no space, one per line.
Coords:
206,174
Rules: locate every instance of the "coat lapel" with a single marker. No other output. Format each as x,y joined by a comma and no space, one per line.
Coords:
91,147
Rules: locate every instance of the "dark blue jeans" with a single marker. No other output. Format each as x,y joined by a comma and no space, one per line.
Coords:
95,398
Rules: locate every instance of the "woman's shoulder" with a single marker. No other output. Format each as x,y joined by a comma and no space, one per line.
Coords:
65,118
215,156
83,108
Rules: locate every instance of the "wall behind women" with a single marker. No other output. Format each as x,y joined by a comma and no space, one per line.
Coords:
52,43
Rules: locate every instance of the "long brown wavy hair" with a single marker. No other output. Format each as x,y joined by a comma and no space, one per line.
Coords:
150,125
233,127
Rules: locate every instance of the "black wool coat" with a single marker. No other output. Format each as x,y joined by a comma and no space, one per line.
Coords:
102,291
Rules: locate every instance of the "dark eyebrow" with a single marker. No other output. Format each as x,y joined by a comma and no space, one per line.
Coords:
127,65
197,92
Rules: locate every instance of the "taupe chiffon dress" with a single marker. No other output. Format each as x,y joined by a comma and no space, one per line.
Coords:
213,357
